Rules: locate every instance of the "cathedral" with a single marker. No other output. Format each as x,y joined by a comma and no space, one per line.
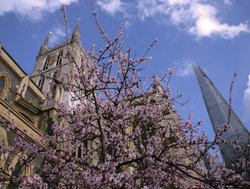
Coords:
28,102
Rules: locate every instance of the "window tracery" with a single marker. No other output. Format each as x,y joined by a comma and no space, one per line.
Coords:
4,84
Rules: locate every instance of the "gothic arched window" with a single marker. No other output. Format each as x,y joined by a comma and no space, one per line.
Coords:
79,151
3,143
4,84
46,64
18,168
59,58
41,82
1,84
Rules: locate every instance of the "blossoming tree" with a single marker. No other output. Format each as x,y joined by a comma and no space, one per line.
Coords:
122,132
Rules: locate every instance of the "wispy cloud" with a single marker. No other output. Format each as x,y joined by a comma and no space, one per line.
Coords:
185,68
32,9
148,8
57,35
195,16
228,2
246,99
111,6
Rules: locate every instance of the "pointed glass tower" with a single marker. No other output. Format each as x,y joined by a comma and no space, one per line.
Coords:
218,110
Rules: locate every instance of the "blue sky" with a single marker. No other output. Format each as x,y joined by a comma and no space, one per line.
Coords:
213,33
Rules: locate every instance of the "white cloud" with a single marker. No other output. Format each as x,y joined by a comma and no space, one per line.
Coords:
57,35
31,9
246,99
148,8
206,23
228,2
111,6
196,16
185,69
178,2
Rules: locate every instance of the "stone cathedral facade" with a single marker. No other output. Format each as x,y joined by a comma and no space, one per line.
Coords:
29,101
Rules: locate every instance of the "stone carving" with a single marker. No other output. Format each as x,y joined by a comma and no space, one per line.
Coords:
23,86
